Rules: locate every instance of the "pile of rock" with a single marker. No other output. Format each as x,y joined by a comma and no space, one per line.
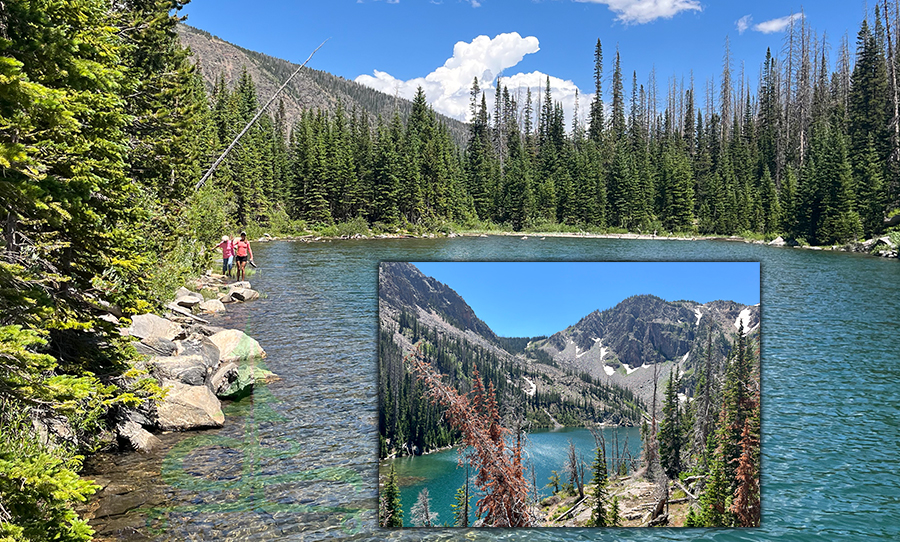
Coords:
195,363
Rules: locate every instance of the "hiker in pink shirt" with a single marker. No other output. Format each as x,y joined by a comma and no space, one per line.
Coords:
227,247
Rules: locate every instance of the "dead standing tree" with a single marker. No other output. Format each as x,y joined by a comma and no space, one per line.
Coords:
499,470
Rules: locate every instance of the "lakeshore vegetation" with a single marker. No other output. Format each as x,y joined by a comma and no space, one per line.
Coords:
105,127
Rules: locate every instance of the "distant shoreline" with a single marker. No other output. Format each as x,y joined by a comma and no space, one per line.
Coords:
853,246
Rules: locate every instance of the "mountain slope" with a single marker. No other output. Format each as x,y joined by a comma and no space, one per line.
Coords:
623,343
311,89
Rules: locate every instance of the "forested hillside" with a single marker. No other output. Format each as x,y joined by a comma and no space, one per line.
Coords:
812,154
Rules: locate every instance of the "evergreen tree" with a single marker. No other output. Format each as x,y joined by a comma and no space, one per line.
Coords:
461,504
597,122
599,513
670,430
390,513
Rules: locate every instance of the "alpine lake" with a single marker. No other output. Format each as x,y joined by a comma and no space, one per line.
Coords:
297,459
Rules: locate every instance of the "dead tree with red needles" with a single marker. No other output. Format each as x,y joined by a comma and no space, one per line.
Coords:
499,470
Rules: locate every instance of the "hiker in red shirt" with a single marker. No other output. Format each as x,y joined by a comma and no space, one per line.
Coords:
242,253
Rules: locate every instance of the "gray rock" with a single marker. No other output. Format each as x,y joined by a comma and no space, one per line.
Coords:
109,318
221,380
212,306
189,301
144,326
226,298
155,346
235,345
241,284
188,407
244,294
188,369
138,438
181,292
205,330
199,345
777,242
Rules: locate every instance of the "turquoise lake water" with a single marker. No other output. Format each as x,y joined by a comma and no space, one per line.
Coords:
297,461
544,452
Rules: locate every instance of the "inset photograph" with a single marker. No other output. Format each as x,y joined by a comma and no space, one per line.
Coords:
569,394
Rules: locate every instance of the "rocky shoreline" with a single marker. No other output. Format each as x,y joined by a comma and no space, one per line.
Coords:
194,363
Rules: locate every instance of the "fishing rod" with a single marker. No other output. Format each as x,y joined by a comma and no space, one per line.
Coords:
253,120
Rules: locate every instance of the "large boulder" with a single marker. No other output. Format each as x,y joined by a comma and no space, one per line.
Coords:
189,301
137,438
189,369
155,346
199,345
205,330
145,326
244,294
212,306
188,407
235,345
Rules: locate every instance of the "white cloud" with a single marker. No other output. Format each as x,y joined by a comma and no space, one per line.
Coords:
447,87
777,25
743,23
645,11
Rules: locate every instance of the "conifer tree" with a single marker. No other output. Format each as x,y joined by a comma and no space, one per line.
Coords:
390,513
670,436
599,513
597,121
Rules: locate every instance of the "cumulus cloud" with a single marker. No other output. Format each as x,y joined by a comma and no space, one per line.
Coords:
777,25
447,87
645,11
743,23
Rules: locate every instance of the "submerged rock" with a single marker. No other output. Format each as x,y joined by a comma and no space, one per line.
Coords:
188,407
233,380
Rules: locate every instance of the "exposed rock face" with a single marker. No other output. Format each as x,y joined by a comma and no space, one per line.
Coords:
235,345
188,407
145,326
402,286
645,330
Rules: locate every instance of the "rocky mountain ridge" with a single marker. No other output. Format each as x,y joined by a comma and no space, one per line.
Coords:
311,89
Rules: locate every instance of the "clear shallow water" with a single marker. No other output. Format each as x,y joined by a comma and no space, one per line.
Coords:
297,460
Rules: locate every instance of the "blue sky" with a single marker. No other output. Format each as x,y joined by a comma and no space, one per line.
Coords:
526,299
395,45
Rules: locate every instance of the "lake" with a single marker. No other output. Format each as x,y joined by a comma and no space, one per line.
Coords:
297,460
544,452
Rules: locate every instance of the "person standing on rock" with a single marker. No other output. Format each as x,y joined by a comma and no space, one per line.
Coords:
227,246
242,252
